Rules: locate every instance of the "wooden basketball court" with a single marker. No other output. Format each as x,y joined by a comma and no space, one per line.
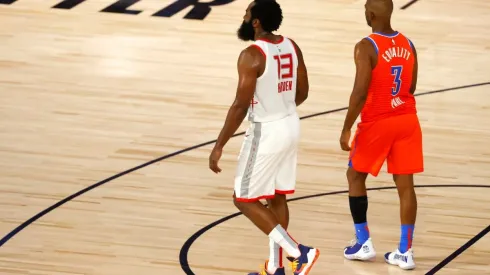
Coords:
86,95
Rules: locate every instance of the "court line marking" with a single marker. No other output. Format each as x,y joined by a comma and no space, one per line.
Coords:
407,5
22,226
184,251
458,251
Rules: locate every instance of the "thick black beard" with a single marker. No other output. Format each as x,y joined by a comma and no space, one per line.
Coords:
246,31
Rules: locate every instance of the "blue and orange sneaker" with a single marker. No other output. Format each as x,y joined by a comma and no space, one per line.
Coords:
279,271
303,264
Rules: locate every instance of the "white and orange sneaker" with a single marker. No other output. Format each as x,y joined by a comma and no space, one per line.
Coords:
303,264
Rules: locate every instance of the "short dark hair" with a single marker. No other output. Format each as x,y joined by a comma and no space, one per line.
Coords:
269,14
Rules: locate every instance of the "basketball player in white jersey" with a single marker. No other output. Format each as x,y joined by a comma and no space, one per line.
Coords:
272,81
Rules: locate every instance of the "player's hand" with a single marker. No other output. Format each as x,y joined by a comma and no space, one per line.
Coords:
344,140
214,158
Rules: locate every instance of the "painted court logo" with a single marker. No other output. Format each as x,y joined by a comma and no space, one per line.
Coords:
199,11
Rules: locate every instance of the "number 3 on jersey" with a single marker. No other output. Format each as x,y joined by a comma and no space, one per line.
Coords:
396,71
284,61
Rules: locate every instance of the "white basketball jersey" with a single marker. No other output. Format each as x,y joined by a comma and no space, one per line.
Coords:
275,92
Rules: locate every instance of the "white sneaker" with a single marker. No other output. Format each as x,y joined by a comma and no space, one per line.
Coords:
403,260
357,251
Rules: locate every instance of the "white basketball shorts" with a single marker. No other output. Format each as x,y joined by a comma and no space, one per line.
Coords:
267,160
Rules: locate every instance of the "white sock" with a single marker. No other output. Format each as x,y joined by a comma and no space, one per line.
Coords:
282,238
275,257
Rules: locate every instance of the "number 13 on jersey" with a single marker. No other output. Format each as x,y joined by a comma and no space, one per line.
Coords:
284,61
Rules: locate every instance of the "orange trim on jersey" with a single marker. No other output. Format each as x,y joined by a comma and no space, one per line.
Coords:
270,41
254,199
284,192
260,49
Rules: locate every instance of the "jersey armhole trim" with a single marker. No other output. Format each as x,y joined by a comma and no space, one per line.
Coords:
374,44
265,59
260,49
410,42
294,47
295,52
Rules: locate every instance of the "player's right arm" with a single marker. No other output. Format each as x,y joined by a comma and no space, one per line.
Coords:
250,63
415,71
302,84
364,55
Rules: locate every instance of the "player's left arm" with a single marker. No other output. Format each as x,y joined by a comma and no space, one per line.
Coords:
363,56
248,69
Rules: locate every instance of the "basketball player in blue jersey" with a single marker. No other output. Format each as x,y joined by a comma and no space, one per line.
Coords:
272,76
